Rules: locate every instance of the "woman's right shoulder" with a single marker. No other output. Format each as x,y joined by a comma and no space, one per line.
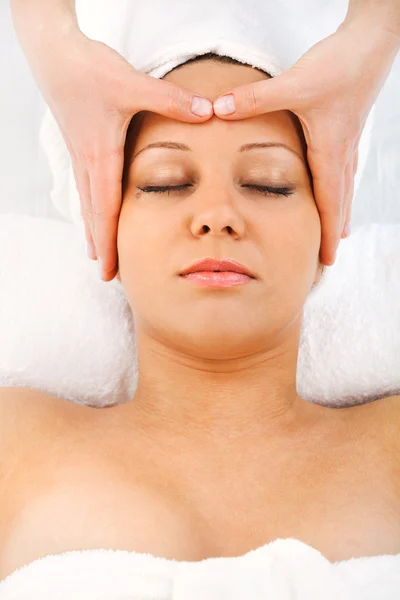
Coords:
25,413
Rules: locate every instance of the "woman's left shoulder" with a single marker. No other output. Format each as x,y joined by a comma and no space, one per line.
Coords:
385,425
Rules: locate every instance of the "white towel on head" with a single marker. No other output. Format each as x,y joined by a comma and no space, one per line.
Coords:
264,34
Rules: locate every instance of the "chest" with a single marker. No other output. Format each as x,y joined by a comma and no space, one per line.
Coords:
70,501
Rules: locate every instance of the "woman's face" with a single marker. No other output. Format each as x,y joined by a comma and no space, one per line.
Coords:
277,237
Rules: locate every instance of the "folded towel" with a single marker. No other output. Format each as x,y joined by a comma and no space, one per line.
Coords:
79,342
285,569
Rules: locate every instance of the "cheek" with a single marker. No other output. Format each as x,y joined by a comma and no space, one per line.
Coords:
142,255
292,240
304,229
293,223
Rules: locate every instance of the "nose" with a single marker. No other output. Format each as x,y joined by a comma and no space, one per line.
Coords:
217,214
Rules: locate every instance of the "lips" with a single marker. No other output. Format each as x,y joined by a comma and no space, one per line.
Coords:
211,264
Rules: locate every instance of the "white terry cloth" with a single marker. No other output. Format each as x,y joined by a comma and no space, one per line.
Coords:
79,343
61,327
67,333
156,36
285,569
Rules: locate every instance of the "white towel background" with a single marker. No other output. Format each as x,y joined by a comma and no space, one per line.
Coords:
77,332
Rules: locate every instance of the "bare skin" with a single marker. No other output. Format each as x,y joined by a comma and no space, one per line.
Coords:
75,477
216,454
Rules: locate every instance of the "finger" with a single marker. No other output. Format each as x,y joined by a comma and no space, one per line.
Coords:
348,194
328,183
83,184
91,247
355,163
83,187
166,99
258,98
353,166
106,193
350,204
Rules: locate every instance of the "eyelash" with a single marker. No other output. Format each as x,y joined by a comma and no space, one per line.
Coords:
264,189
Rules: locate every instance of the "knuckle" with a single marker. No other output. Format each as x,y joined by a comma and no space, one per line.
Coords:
250,101
86,213
104,209
104,215
93,159
88,157
331,210
176,99
341,160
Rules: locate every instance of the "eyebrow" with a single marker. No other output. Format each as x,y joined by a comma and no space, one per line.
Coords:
244,148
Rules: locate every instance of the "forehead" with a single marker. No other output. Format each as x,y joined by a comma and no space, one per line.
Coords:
215,134
211,79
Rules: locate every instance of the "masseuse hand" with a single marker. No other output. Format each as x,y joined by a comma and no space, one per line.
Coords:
93,93
94,96
331,89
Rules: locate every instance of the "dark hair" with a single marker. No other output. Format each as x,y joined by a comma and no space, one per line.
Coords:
217,58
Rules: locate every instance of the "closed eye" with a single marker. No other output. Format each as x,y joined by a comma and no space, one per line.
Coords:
264,189
269,190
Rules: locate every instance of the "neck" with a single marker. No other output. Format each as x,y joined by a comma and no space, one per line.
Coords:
219,403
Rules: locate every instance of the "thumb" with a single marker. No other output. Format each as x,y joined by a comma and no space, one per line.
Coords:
250,100
169,100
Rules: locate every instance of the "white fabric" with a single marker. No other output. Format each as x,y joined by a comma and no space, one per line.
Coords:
68,333
99,370
63,330
286,569
167,38
25,177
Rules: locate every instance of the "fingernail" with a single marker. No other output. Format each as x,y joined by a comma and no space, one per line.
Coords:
347,230
225,105
201,106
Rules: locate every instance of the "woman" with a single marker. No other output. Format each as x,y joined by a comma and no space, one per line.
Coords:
216,454
93,93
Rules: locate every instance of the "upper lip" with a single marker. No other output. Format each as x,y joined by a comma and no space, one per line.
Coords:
212,264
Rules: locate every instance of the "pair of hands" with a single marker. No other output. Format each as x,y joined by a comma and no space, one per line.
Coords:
93,93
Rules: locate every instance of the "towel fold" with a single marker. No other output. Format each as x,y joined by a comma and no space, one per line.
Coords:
285,569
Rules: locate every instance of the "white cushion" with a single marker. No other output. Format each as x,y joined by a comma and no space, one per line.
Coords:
66,332
63,330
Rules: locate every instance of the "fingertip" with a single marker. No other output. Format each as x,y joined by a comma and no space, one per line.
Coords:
109,276
328,258
224,105
201,107
91,252
176,102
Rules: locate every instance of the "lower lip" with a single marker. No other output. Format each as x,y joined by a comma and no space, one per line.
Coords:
217,279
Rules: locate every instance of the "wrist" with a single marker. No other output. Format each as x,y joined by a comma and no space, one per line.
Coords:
44,21
379,16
